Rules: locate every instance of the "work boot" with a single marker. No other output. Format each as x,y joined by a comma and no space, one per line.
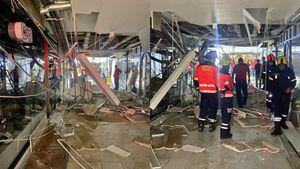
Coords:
225,134
283,124
212,127
200,126
277,129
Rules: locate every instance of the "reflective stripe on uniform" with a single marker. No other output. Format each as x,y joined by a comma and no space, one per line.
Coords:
293,80
277,119
229,110
222,127
284,115
228,95
212,120
201,119
224,124
208,91
268,100
207,85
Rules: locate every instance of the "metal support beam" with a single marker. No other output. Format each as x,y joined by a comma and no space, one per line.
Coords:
97,78
3,70
46,82
122,42
171,80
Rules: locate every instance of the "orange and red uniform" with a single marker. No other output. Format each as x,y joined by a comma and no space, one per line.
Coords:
225,84
207,77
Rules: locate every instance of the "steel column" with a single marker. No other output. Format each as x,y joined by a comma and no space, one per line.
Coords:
46,81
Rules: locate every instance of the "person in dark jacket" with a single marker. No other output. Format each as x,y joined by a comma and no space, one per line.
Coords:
15,75
284,82
258,67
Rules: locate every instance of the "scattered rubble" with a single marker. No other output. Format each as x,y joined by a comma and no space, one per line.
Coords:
251,145
192,148
6,138
143,141
237,146
64,131
116,150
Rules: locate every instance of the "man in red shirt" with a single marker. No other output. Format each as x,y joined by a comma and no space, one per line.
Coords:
240,73
206,75
117,74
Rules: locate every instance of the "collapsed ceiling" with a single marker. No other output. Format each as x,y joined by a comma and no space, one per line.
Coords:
207,12
125,18
230,22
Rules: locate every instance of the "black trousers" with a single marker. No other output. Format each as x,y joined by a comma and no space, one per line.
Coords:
226,109
208,106
241,87
116,84
269,102
281,105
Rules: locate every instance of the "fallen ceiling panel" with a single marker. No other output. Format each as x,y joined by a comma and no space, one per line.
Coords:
171,80
97,78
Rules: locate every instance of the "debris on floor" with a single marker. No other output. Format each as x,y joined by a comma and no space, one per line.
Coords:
237,146
192,148
64,131
6,138
56,118
116,150
154,162
91,108
143,141
75,156
252,118
251,145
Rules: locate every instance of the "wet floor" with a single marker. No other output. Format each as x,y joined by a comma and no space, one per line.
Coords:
250,148
92,135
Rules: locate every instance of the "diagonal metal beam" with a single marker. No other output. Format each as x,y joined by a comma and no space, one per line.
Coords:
122,42
171,80
107,42
97,78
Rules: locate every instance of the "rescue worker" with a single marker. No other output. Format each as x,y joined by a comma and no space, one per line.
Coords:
240,73
269,69
225,86
206,74
284,82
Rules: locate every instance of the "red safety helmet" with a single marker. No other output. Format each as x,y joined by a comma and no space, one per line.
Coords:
271,57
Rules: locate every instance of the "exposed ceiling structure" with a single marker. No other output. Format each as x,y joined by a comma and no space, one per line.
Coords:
8,15
231,22
207,12
124,18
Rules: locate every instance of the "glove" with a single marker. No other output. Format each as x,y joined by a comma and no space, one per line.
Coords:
196,83
288,90
227,88
221,94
